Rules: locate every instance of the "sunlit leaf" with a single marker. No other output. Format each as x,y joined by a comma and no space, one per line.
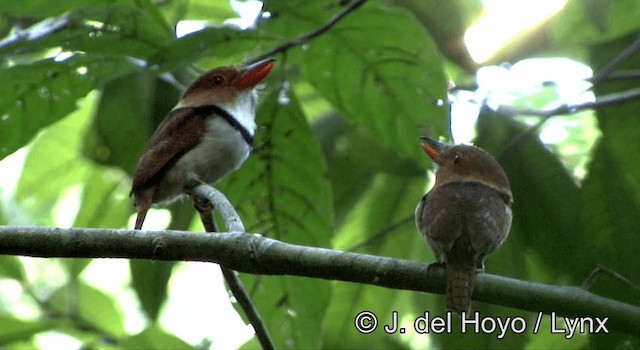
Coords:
149,279
89,307
104,201
547,201
381,70
37,95
381,224
52,165
153,337
14,329
121,28
10,267
612,187
43,8
596,21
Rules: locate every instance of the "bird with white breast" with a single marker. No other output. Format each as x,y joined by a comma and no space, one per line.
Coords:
207,135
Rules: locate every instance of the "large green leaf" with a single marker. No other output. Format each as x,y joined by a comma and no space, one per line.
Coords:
547,201
43,8
104,201
216,12
90,308
125,118
612,188
149,279
382,71
224,46
35,96
153,337
13,329
350,179
123,28
585,22
381,224
283,192
10,267
52,165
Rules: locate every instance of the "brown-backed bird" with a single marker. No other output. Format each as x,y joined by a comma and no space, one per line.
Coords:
466,215
208,134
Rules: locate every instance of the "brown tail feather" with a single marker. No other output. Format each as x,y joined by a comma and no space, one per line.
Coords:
460,279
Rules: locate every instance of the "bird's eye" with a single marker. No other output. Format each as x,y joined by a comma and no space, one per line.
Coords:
457,158
217,80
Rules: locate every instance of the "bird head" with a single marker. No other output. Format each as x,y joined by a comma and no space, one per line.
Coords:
465,163
227,85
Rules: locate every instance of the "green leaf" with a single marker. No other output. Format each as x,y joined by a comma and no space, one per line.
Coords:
586,22
226,46
75,267
154,337
149,279
104,202
386,80
350,180
215,12
290,200
547,201
89,308
14,329
381,223
612,187
52,165
37,95
114,29
128,112
11,267
43,8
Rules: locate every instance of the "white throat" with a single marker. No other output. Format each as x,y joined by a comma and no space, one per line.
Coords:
244,110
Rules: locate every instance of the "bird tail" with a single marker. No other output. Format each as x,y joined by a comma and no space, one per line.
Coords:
461,272
460,278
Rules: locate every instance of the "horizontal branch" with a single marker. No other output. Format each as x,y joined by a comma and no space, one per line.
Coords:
252,253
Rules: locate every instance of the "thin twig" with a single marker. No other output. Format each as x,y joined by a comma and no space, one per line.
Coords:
605,100
308,36
609,68
630,74
521,137
382,233
219,202
603,270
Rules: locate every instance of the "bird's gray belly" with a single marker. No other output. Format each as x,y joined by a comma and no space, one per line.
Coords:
221,150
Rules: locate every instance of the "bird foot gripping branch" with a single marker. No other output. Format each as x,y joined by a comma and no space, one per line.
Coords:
207,135
466,215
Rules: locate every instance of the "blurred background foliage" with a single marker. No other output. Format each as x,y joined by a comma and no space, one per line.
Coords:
337,161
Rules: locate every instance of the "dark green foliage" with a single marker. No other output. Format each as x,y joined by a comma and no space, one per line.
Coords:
337,160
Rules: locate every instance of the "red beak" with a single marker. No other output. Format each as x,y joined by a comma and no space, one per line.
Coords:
254,74
433,148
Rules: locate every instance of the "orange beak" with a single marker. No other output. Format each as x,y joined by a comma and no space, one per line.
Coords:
254,74
433,148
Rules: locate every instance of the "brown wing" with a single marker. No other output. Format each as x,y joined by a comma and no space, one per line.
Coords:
179,132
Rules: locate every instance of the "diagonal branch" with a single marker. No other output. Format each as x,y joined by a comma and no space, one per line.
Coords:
308,36
614,98
232,222
255,254
606,100
606,71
